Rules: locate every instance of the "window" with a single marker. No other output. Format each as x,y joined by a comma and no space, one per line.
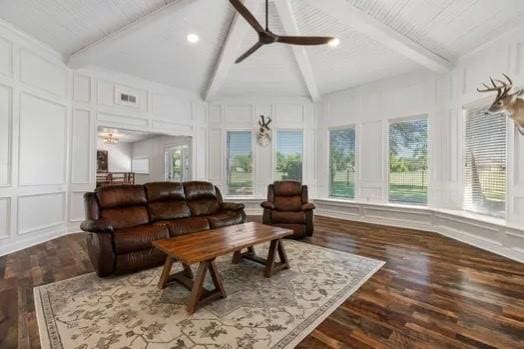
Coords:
289,155
485,163
239,163
342,163
408,162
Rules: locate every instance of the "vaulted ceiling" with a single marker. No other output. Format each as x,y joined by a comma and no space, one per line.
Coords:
379,39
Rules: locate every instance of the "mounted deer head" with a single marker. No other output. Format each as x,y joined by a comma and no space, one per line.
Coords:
507,102
264,132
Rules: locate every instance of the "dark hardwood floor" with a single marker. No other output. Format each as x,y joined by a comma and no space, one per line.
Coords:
432,292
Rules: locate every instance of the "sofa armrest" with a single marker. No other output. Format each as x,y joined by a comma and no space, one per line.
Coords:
231,206
308,207
98,226
268,204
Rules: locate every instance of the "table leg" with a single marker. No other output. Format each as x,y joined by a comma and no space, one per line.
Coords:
238,255
198,287
271,258
162,283
271,265
201,296
187,271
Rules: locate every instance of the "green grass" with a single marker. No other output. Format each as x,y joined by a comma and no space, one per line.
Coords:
408,194
342,189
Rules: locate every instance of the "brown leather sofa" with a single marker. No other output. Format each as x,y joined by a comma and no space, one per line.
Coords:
287,206
123,220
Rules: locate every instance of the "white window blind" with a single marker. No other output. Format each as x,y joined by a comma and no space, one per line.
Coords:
239,163
289,155
408,162
342,163
485,163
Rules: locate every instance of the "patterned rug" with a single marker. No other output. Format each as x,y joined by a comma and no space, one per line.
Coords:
131,312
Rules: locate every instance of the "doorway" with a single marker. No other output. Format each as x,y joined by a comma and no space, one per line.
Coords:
178,163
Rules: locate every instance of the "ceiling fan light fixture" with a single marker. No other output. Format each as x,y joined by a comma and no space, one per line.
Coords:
334,42
192,38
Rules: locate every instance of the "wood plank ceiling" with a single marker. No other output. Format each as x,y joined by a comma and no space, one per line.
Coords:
147,38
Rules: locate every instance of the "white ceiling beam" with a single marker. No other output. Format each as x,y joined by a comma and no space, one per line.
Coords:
87,54
369,26
289,21
230,49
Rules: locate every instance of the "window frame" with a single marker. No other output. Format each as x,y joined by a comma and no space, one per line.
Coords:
357,162
275,150
387,125
226,161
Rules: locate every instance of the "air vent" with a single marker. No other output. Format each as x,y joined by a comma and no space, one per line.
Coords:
127,98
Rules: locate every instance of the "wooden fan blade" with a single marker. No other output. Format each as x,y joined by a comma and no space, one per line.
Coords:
244,12
304,40
249,52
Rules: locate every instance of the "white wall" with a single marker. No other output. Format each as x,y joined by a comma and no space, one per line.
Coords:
119,155
35,113
442,98
154,149
48,121
243,114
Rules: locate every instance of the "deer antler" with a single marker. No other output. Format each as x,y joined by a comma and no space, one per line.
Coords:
502,90
268,122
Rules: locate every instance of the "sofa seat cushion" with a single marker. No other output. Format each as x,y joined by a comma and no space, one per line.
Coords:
185,225
288,217
138,238
225,219
288,203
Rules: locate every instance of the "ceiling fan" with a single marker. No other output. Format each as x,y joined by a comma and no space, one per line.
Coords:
266,37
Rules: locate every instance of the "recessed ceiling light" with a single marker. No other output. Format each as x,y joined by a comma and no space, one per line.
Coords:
193,38
334,43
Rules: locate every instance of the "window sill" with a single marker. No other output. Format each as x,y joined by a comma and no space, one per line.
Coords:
367,203
500,222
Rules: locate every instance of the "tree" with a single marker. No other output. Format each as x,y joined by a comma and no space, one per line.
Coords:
408,146
342,151
290,165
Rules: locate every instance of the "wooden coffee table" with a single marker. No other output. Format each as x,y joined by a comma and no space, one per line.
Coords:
205,247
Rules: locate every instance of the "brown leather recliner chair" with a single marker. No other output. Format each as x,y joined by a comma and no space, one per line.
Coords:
287,206
124,220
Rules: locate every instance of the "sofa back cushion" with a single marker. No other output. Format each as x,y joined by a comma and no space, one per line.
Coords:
166,201
287,188
202,198
123,206
287,195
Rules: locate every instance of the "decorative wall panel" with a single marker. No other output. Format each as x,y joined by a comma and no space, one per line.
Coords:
5,217
40,211
76,206
39,72
6,57
82,88
6,97
81,146
42,147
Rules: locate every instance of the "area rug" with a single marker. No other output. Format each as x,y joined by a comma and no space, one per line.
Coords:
131,312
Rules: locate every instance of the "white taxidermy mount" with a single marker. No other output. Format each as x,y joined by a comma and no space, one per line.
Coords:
510,103
264,131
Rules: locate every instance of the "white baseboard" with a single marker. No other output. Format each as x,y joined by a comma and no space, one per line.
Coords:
26,242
